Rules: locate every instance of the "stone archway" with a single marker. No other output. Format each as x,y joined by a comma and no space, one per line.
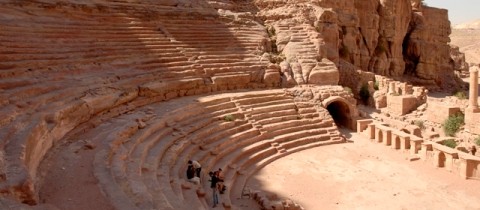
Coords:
341,113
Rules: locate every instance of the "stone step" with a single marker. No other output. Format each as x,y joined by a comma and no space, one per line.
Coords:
227,146
271,108
261,116
264,103
318,123
305,140
189,152
299,134
113,191
239,180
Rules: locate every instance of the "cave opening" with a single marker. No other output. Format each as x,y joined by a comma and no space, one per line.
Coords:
411,55
340,113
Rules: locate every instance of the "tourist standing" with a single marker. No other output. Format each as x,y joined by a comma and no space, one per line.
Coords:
213,185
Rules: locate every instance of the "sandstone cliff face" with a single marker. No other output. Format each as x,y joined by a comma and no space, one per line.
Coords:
64,63
388,37
459,60
426,52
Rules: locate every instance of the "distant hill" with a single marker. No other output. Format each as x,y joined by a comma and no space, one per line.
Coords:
467,37
469,25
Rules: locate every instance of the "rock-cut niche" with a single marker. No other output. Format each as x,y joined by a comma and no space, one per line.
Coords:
340,113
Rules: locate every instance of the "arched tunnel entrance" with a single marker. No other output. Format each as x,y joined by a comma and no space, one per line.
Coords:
340,113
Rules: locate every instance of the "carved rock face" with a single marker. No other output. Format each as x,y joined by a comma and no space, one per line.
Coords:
387,37
67,63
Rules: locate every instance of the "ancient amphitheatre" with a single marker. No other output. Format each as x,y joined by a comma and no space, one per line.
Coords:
104,102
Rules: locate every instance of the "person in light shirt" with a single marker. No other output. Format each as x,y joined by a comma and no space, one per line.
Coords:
196,166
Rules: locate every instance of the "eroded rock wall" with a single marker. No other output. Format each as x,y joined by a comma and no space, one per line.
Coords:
389,37
425,47
64,63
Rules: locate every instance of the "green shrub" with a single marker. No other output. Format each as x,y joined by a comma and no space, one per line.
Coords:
477,141
460,95
349,90
420,124
364,93
229,118
375,85
453,123
450,143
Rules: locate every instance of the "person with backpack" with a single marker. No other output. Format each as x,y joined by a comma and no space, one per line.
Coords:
213,185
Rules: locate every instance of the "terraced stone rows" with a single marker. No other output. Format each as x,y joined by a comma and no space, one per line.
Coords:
62,72
133,33
148,167
72,67
164,145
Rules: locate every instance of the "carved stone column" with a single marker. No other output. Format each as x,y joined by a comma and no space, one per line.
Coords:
391,87
473,101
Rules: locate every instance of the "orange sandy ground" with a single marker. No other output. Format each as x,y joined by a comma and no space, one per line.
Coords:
365,175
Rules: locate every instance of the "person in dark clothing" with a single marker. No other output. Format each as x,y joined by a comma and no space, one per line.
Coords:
190,171
473,150
213,185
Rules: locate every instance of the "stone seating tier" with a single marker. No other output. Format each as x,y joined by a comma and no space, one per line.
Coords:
152,160
102,68
58,70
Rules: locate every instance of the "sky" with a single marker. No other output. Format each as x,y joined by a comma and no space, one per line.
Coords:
459,11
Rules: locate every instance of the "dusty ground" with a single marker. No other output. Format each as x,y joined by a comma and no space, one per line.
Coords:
365,175
469,42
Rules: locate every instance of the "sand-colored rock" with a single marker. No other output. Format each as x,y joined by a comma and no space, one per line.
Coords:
468,40
113,94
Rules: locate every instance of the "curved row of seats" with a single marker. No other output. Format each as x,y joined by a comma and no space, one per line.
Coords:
144,168
63,63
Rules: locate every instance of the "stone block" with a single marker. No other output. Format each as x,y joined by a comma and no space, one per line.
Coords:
401,105
437,112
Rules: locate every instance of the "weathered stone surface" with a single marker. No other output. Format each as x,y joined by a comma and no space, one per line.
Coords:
376,36
427,53
324,73
272,75
439,112
68,67
460,64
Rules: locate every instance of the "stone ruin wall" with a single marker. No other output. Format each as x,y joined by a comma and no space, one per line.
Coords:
54,77
400,97
460,163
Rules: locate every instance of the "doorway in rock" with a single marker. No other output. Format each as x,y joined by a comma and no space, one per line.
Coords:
340,113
